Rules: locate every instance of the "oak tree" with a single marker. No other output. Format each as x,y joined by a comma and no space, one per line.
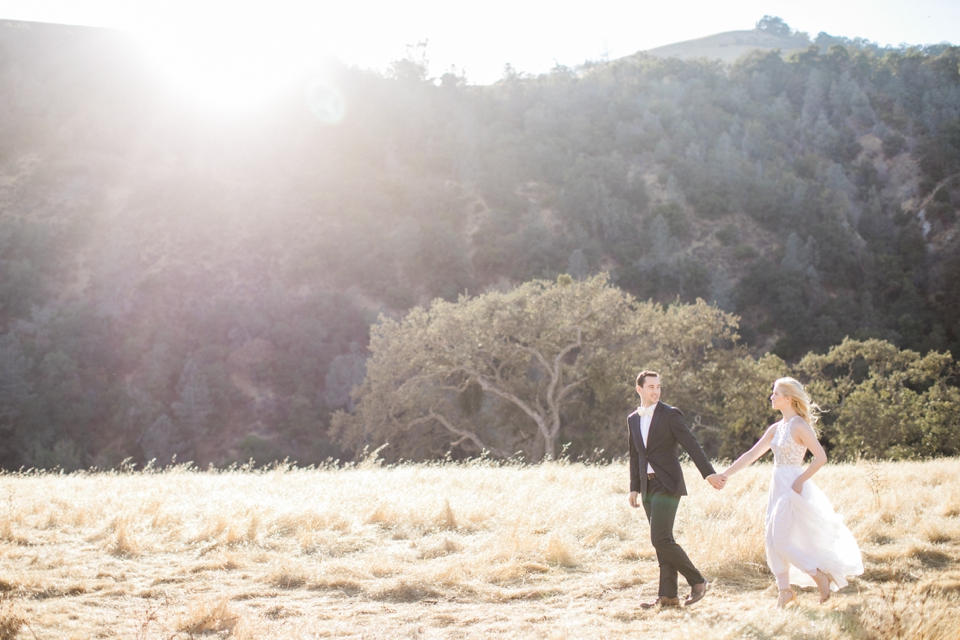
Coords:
488,373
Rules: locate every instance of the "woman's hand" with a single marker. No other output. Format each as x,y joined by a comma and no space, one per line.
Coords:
716,481
797,485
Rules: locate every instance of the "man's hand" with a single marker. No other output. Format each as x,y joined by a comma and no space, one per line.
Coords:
716,481
633,499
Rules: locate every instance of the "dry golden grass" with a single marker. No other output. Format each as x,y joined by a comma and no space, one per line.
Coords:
451,551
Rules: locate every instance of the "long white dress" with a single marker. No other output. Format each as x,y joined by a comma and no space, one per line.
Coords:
804,533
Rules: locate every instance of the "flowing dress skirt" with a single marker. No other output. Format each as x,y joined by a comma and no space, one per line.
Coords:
804,533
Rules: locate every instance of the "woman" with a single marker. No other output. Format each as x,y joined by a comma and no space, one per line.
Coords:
807,542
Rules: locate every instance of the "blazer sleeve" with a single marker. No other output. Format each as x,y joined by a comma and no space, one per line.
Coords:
634,462
686,439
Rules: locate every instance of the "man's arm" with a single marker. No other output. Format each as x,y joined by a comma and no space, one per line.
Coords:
634,462
686,439
634,470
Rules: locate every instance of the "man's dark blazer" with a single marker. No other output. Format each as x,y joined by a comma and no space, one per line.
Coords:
667,430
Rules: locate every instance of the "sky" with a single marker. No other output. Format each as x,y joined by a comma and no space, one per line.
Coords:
205,38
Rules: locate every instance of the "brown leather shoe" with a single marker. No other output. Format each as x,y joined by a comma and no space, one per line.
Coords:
697,592
662,601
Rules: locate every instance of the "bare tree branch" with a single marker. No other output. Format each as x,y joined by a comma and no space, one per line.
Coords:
466,435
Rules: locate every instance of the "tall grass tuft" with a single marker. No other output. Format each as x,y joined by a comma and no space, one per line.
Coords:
208,616
559,552
124,544
446,520
384,516
288,575
11,621
906,613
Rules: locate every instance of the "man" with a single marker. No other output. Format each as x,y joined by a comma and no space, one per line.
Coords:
655,430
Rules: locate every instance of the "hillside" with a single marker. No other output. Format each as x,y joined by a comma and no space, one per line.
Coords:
731,45
176,282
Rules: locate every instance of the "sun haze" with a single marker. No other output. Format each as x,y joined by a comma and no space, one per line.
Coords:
227,60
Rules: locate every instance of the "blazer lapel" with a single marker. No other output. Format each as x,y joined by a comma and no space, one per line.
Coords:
655,421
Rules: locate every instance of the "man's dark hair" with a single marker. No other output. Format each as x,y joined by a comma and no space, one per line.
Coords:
644,375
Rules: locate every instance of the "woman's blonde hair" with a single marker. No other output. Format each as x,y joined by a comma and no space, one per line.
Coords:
801,402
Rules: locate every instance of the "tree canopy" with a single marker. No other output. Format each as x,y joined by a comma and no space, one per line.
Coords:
883,402
533,349
519,371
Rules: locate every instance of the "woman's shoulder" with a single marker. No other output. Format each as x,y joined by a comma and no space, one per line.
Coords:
796,425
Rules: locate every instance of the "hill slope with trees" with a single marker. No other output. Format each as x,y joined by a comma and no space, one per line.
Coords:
176,282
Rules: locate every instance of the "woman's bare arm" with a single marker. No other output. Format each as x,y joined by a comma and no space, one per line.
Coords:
753,454
804,434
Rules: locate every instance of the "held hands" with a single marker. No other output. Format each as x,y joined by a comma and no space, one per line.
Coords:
717,480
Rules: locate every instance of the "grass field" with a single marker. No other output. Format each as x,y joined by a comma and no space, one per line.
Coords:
452,551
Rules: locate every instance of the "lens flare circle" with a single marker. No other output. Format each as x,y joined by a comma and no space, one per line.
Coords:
325,101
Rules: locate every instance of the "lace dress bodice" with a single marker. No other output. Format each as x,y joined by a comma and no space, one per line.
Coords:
786,452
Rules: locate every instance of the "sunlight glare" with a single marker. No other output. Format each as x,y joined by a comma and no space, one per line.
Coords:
229,61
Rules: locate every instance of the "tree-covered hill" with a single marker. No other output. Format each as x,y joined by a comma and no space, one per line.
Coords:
174,281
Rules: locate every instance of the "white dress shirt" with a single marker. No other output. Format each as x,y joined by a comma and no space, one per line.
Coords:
644,432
